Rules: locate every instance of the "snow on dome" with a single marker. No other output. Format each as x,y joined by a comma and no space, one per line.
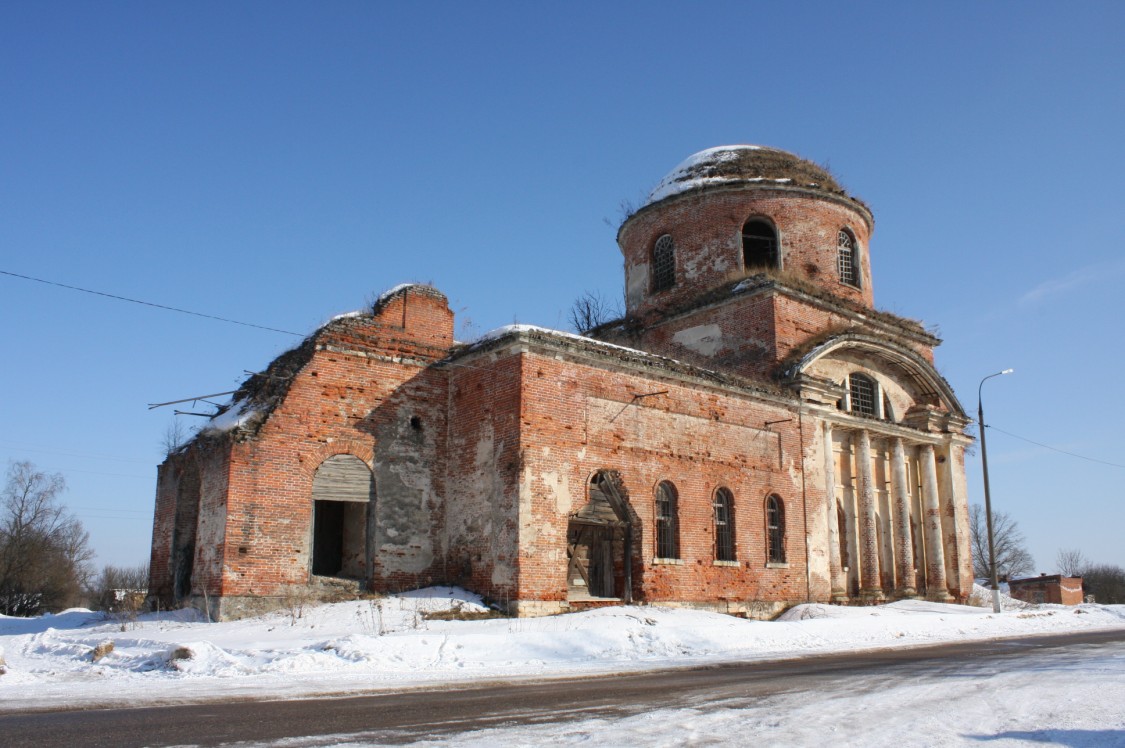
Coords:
735,164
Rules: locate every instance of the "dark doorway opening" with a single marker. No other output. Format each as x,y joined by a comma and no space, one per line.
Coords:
343,507
339,539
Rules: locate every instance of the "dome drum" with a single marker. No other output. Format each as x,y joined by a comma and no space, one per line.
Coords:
724,225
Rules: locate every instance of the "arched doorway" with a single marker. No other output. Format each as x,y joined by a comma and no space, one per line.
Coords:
343,505
600,543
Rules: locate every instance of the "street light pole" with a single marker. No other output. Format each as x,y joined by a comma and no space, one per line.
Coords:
987,498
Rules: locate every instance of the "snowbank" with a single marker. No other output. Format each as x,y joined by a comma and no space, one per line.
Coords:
439,635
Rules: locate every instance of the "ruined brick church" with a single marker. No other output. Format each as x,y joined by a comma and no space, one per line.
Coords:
752,434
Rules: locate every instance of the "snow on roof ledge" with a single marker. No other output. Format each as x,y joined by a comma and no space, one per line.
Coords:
500,332
423,288
236,415
388,294
347,315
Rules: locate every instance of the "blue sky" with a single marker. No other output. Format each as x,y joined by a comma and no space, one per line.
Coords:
280,163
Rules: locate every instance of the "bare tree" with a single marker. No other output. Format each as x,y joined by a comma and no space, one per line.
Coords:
1012,558
592,309
175,436
1071,563
120,591
115,579
44,550
1105,582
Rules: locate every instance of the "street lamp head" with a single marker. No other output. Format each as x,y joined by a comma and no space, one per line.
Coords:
1007,371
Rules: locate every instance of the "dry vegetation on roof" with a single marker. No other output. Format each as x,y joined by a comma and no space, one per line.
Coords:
765,163
264,390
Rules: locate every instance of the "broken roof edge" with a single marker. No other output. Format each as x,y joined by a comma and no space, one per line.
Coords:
401,289
259,394
594,352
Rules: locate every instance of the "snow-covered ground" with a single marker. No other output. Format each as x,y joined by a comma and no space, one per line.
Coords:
396,642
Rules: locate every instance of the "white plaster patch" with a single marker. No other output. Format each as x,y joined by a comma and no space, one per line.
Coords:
636,282
557,485
704,339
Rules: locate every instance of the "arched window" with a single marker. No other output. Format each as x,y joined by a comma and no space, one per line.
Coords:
861,395
667,526
775,530
663,264
759,245
723,506
847,258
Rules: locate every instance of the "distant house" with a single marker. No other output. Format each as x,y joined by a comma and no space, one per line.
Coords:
1044,588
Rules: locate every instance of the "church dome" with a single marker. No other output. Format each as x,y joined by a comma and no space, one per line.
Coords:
745,165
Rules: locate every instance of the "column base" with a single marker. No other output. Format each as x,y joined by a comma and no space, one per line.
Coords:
907,592
874,595
839,597
941,596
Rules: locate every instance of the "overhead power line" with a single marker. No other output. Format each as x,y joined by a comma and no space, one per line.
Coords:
1055,449
149,303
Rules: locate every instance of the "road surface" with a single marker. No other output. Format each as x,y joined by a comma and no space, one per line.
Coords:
404,717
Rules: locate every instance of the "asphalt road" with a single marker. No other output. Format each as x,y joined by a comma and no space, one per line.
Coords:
404,717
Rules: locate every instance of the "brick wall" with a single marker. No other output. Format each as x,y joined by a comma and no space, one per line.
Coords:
580,419
368,390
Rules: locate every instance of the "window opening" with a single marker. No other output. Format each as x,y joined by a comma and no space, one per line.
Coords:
667,533
846,258
663,264
759,245
724,525
775,530
861,392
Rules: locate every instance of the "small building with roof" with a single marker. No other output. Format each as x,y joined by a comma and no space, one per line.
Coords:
1047,588
751,434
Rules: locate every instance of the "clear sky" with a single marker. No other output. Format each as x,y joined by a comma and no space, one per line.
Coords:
280,163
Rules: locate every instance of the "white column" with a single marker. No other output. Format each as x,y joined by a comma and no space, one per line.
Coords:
904,546
936,585
869,583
